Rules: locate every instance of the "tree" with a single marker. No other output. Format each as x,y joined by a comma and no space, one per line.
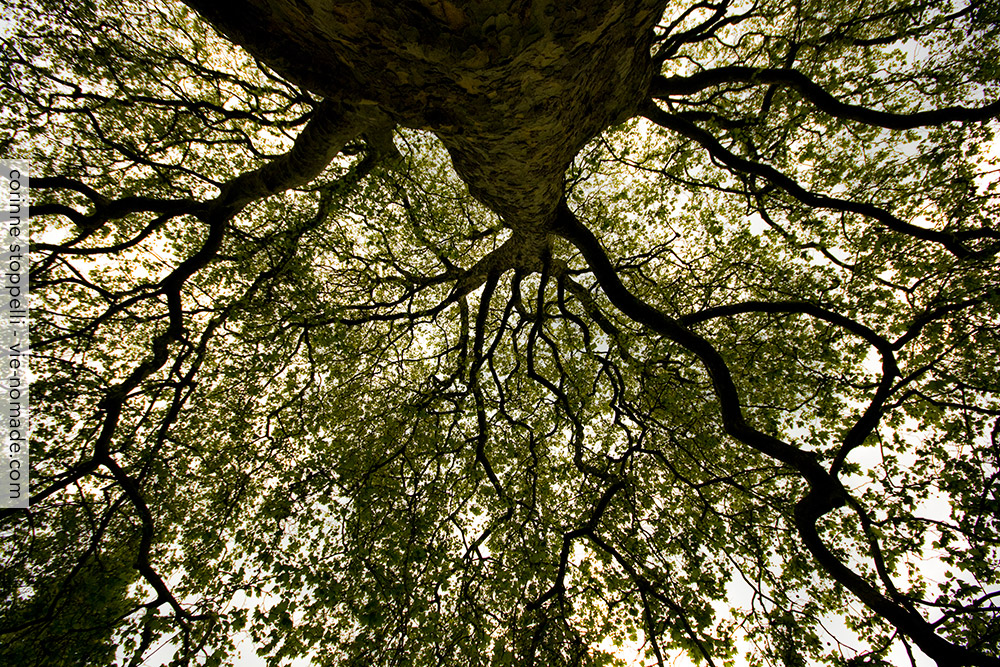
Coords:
503,333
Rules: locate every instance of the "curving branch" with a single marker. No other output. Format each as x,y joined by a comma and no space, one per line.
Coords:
803,307
734,421
890,369
954,242
667,87
825,493
330,128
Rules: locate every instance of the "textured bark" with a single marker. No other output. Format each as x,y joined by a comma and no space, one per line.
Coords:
513,88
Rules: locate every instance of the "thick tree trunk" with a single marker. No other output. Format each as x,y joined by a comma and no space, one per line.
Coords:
514,88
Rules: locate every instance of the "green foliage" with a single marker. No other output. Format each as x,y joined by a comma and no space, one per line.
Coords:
363,432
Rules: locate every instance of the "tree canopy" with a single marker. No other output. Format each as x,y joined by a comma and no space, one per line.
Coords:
421,332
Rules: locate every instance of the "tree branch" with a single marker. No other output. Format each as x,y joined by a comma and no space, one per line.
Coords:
951,241
665,87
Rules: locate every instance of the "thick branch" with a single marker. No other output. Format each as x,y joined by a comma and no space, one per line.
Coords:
330,128
826,492
874,339
725,388
664,87
789,185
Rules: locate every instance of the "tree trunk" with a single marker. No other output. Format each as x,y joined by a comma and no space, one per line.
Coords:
513,88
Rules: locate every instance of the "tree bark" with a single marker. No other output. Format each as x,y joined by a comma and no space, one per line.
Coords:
514,88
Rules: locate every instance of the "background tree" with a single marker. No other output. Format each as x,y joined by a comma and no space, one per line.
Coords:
504,333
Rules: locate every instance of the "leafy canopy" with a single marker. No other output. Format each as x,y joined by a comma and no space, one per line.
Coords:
736,396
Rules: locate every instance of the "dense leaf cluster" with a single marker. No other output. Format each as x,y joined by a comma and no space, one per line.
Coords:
295,386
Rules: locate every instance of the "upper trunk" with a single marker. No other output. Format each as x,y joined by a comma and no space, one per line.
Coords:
513,88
